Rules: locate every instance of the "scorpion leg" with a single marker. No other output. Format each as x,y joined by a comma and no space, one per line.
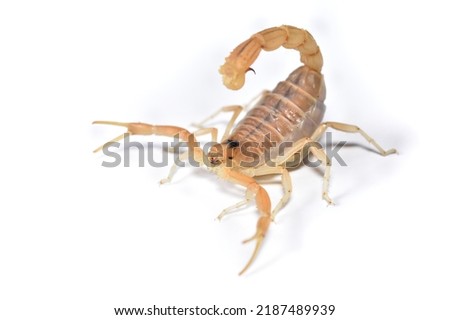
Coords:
323,158
351,129
262,203
308,145
236,111
285,182
227,211
262,171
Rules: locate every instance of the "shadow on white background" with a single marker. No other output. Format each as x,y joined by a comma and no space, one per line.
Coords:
78,239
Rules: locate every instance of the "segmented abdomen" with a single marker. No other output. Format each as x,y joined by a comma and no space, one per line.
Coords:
293,110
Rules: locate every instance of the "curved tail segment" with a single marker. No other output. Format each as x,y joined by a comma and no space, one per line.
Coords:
243,56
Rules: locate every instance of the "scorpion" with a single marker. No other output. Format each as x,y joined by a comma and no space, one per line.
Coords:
291,113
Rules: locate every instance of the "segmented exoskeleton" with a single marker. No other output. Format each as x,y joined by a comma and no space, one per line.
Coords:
290,115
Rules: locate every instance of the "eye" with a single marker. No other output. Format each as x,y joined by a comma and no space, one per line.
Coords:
232,143
230,158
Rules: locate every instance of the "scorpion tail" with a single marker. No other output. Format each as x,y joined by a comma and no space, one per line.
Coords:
240,59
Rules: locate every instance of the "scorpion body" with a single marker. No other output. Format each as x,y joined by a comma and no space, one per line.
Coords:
292,113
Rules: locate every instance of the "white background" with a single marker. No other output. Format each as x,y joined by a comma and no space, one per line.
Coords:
78,239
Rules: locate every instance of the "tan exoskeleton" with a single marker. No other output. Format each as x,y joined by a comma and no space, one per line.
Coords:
290,115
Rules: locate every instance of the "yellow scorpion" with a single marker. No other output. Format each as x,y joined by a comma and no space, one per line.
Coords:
290,115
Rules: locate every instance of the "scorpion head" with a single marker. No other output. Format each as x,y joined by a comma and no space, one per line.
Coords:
223,153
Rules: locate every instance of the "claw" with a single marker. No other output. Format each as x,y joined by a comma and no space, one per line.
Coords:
259,240
138,128
116,139
261,229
